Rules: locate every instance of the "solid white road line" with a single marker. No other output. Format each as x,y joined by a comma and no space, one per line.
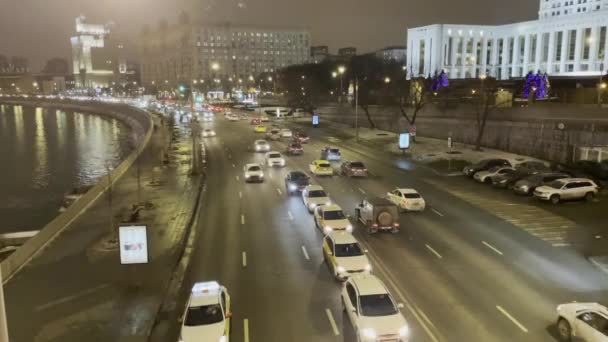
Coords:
332,322
279,191
492,247
436,212
244,259
233,165
73,297
240,194
237,178
362,191
433,251
290,215
246,330
511,318
305,253
242,219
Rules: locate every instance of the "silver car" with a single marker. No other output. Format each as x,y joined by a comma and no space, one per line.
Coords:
527,185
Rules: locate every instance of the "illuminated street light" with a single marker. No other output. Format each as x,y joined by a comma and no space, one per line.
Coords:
334,74
341,69
215,66
482,77
195,81
269,78
387,80
473,91
603,85
251,78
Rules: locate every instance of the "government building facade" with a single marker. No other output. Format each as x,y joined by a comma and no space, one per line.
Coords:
568,39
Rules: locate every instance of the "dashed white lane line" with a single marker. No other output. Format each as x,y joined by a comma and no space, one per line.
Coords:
290,215
433,251
492,247
243,219
362,191
437,212
244,259
233,165
237,178
246,330
279,191
332,322
240,194
305,253
511,318
230,156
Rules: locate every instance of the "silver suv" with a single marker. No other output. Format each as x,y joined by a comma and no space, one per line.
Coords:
566,189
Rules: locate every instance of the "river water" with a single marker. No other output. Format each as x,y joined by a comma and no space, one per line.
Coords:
45,153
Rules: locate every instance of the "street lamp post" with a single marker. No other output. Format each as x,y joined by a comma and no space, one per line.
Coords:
600,89
357,108
341,70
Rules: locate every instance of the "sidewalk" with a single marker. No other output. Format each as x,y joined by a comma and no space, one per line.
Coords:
433,153
77,290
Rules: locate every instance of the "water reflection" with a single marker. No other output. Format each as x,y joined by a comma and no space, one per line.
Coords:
46,154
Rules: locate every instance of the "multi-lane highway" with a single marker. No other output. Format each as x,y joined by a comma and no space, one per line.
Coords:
463,273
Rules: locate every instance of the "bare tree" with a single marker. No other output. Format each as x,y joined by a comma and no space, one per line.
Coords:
416,99
486,102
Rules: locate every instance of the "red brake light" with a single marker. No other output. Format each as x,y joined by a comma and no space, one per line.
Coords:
375,225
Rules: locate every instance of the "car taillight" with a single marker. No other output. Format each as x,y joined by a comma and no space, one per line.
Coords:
375,225
396,224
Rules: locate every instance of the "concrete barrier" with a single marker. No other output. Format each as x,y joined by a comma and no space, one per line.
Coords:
141,123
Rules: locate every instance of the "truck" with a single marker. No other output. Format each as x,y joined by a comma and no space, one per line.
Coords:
378,214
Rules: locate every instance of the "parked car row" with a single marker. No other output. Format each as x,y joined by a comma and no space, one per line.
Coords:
532,178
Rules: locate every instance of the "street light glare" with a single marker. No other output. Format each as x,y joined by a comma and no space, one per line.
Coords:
341,69
215,66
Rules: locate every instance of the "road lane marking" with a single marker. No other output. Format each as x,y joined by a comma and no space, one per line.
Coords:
433,251
290,215
240,194
305,253
511,318
243,219
237,178
233,165
422,318
437,212
362,191
230,156
332,322
244,259
246,330
279,191
492,247
67,299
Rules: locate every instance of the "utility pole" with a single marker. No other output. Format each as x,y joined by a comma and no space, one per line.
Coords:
3,325
357,108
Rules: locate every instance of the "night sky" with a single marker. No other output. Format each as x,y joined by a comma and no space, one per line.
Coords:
40,29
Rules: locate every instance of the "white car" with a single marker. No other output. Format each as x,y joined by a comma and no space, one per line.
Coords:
331,218
208,132
407,199
567,189
586,322
207,315
286,133
261,146
253,173
486,176
372,311
344,255
274,159
232,117
207,118
314,196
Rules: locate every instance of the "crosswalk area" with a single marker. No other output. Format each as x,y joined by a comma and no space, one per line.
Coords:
545,225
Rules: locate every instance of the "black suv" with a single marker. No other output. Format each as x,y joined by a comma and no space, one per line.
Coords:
296,181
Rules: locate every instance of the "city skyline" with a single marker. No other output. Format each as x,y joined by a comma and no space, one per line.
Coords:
338,24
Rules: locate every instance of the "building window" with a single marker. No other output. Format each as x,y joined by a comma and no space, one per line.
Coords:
558,45
489,52
501,43
511,51
522,48
532,53
602,44
586,43
571,45
421,58
544,56
478,53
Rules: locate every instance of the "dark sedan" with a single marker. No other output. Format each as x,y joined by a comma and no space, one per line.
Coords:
294,148
526,186
354,169
302,138
484,165
296,181
507,180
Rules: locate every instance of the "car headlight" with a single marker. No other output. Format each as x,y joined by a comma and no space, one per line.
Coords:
404,331
368,333
328,229
524,187
368,268
340,269
223,339
292,187
247,175
349,228
312,205
503,181
282,161
328,203
257,148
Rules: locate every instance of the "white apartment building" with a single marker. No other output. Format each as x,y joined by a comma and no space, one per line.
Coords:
189,52
568,39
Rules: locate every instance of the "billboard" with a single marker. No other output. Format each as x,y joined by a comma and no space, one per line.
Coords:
404,141
133,242
315,120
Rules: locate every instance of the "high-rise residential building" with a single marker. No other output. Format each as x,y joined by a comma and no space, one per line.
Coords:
392,53
568,39
206,52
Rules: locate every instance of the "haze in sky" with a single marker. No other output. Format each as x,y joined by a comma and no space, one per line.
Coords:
40,29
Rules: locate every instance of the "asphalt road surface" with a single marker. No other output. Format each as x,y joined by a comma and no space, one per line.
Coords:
463,273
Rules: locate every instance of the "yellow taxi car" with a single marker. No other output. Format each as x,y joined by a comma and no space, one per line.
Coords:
344,256
260,129
321,168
